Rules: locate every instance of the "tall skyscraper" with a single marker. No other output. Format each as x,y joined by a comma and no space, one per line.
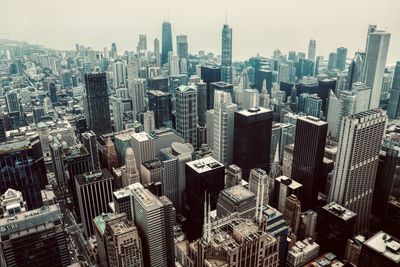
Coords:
252,139
182,46
34,238
154,218
160,104
12,102
143,148
120,239
186,113
374,66
210,74
203,176
341,53
117,109
22,168
94,192
292,213
355,170
166,42
224,111
335,225
96,103
393,109
90,143
142,45
311,50
355,71
332,61
129,173
226,59
308,156
201,102
136,91
157,51
259,184
119,74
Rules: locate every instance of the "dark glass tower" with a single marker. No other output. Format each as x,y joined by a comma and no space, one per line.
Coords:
252,139
22,168
203,176
393,109
308,157
226,60
166,42
210,74
160,104
341,53
96,103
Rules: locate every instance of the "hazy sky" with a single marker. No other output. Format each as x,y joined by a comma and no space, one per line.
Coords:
259,26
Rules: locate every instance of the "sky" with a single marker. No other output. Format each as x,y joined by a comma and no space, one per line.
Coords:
259,26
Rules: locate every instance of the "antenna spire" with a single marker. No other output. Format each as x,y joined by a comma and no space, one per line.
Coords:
226,17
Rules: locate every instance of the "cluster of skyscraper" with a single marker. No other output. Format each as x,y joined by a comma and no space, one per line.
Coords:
165,158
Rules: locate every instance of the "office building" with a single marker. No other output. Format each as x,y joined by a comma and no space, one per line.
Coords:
311,50
308,155
119,74
160,104
302,252
186,113
225,242
285,187
233,176
154,219
90,143
335,225
204,175
226,54
210,74
136,91
252,139
355,170
22,168
355,70
129,172
236,199
151,171
120,239
166,42
201,102
374,66
380,250
277,227
34,238
182,46
143,148
220,86
12,102
96,103
332,61
310,104
94,192
341,53
393,109
224,111
292,213
259,184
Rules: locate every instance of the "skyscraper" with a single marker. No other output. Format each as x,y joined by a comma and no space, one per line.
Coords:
166,42
34,238
129,172
154,219
374,66
136,91
142,45
224,111
96,103
210,74
186,113
160,104
226,59
182,46
22,168
94,192
143,148
12,102
117,108
308,155
332,61
90,143
341,53
157,51
203,176
355,170
119,74
311,50
252,139
355,71
393,109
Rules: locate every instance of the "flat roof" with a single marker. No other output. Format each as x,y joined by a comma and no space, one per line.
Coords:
339,211
204,164
253,111
238,193
385,245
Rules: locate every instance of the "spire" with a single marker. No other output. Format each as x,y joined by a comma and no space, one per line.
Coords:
226,17
276,158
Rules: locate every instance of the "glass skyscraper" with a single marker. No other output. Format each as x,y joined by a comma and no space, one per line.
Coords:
226,60
166,42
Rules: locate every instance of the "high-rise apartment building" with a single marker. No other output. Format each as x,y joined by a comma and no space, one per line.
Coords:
355,169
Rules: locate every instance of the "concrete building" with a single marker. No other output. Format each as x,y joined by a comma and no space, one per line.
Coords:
236,199
302,252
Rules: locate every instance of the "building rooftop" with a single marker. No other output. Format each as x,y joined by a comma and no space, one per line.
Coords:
237,193
288,182
312,120
89,177
12,146
158,93
339,211
204,164
100,221
141,137
28,219
385,245
303,247
253,111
